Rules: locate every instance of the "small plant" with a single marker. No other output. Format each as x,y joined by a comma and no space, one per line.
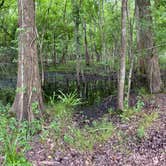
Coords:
70,99
53,99
35,108
62,112
141,132
145,123
127,114
110,111
139,105
13,139
68,139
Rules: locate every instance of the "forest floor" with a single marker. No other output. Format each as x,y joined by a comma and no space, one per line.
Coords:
124,148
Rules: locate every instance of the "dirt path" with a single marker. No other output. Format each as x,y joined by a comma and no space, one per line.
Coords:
123,149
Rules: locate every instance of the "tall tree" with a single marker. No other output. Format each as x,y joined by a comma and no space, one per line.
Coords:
77,20
28,97
87,58
123,56
146,46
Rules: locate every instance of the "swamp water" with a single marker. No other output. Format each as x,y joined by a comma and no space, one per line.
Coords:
92,88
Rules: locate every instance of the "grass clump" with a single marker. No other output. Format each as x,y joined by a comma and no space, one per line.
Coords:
87,137
63,109
145,123
129,112
13,139
69,99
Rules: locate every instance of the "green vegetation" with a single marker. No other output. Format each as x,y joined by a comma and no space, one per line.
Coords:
145,123
7,95
13,139
127,114
62,129
88,137
162,61
84,51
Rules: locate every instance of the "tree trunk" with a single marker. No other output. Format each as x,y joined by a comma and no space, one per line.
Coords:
78,69
149,57
87,58
54,50
76,15
131,53
123,56
28,99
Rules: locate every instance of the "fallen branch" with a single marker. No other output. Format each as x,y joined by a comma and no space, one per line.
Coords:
48,163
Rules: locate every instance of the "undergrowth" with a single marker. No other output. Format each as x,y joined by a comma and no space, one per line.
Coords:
145,123
13,139
66,133
61,129
129,112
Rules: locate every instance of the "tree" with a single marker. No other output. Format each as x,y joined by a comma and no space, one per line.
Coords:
28,97
77,20
123,56
87,58
146,46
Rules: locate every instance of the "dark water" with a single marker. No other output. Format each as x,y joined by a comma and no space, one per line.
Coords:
92,88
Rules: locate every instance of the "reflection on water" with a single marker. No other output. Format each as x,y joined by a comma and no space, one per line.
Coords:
92,89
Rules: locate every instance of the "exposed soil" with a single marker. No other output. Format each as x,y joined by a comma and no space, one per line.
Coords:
123,149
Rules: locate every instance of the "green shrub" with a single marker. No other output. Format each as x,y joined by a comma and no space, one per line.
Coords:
70,99
7,95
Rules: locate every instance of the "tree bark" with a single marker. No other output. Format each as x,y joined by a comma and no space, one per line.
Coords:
54,50
148,59
123,57
131,53
28,101
76,16
87,58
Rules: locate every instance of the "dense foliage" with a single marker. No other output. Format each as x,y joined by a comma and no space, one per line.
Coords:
55,24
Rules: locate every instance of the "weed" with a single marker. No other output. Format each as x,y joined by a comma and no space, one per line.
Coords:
145,123
69,99
14,138
129,112
141,131
110,110
87,137
139,105
52,99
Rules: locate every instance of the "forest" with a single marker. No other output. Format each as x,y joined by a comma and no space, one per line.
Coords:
82,82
